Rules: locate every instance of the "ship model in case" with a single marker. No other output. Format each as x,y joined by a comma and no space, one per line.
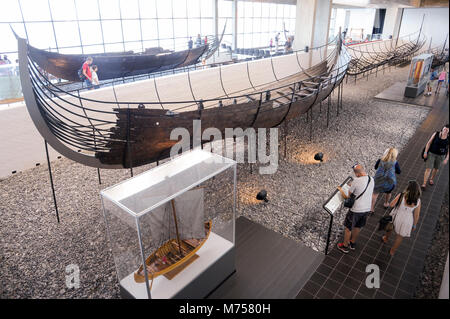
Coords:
179,230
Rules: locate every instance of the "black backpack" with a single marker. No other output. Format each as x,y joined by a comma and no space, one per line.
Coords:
81,75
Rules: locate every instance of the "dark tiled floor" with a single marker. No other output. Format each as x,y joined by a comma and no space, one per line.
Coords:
344,275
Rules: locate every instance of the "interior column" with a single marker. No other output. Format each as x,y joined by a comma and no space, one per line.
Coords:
312,23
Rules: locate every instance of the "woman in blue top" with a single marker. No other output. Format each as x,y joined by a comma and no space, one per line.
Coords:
385,179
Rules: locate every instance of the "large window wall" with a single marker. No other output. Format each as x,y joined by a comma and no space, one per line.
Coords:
358,22
92,26
259,21
225,16
95,26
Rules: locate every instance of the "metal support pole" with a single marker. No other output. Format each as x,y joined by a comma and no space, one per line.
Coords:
329,234
99,178
51,181
128,142
337,103
95,144
328,110
285,139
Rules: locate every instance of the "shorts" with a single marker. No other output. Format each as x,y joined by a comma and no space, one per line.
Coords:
357,220
440,81
434,160
382,191
88,83
389,191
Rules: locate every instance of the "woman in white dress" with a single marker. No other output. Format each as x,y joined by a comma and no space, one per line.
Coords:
95,82
405,215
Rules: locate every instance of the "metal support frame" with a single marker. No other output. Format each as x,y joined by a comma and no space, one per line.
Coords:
285,138
329,233
128,142
51,181
328,110
338,101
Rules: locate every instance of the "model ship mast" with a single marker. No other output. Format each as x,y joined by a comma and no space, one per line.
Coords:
176,226
176,247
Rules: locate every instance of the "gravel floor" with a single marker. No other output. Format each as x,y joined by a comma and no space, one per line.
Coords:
35,250
431,278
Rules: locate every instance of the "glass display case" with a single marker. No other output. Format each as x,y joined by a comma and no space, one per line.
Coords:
419,74
10,88
178,219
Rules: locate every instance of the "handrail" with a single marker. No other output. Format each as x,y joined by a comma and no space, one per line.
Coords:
142,102
71,125
183,69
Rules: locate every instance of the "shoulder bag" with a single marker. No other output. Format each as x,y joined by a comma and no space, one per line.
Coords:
387,221
349,202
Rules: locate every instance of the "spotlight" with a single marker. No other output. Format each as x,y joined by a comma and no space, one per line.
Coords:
318,157
262,195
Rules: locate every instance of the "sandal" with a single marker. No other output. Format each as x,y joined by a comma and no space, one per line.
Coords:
431,182
383,239
385,205
423,187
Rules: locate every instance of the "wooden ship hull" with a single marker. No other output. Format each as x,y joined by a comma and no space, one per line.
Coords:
370,56
439,58
115,65
168,258
121,131
66,66
150,136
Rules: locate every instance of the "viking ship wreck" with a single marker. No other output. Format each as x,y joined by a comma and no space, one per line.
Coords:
373,55
440,56
128,125
178,233
123,64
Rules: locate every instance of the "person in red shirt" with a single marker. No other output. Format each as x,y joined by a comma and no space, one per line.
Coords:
87,72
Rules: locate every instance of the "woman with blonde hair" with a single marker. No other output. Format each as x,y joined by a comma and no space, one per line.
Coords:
405,215
385,179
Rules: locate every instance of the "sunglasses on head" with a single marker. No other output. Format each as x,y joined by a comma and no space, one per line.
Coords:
353,167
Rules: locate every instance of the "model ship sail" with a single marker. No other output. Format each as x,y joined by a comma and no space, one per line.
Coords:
178,230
